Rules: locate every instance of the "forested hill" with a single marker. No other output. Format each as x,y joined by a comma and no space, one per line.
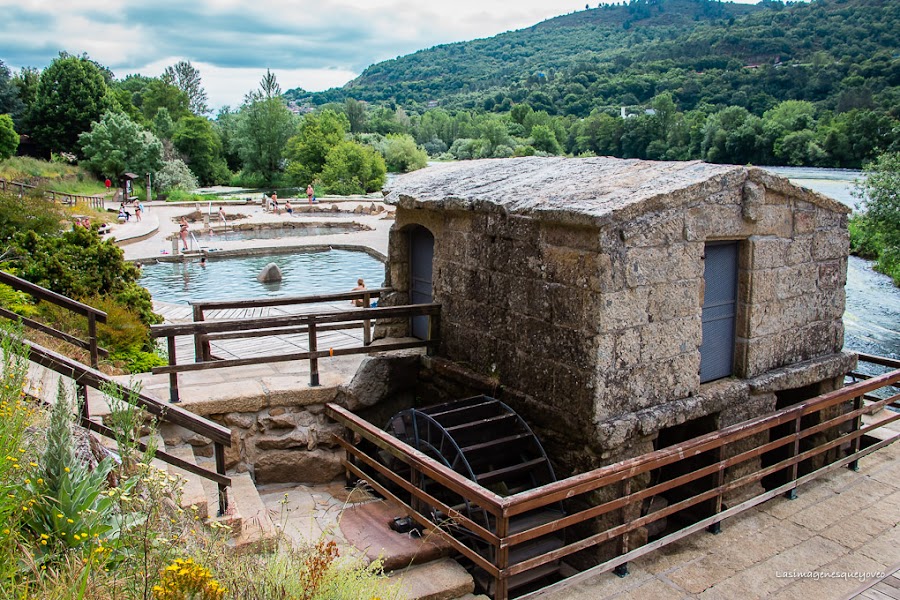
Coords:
702,51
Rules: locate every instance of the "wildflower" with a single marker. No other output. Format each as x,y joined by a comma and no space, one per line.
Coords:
67,470
69,521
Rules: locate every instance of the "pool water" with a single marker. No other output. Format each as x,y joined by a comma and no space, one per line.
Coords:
231,278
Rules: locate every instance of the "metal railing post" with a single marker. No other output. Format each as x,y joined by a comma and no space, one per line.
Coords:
173,377
313,347
219,450
855,443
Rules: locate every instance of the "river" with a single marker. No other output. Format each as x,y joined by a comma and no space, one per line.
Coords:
872,314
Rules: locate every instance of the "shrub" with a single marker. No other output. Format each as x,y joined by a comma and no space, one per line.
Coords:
175,175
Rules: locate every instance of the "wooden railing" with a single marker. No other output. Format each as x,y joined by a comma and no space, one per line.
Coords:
310,323
95,201
806,451
85,377
201,308
93,315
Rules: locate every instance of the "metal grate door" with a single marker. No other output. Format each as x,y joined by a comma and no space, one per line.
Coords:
719,310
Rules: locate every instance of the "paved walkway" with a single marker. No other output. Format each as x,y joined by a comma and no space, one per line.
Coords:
842,531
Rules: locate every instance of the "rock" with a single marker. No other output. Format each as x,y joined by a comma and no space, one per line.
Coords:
334,208
269,274
295,439
241,420
379,377
298,466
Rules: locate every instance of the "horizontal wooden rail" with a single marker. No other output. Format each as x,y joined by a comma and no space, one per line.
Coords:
93,315
310,323
591,480
95,379
288,300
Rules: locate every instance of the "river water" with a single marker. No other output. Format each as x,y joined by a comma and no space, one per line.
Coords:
872,314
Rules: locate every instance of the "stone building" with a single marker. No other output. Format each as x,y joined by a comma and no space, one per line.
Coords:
623,305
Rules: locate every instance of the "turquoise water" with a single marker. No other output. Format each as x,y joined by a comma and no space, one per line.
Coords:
235,278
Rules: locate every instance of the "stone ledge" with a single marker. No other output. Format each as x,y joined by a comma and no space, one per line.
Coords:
804,373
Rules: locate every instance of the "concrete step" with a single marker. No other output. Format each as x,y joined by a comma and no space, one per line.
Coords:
257,530
438,580
192,492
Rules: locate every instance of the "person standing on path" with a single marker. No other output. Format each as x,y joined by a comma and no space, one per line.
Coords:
108,184
138,210
309,193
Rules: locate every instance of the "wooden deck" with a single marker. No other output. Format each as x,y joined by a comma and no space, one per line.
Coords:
886,588
260,346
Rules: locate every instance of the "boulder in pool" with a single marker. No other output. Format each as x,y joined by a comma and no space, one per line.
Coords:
269,274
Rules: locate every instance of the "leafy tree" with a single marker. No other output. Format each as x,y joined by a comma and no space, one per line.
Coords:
196,139
162,125
351,168
116,145
544,140
186,78
881,201
9,139
402,155
159,94
308,150
27,81
263,130
10,99
226,125
71,95
356,115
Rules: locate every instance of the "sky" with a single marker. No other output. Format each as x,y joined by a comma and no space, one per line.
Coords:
311,44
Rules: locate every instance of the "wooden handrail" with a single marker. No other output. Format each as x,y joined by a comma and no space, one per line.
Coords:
85,377
618,476
585,482
93,315
310,323
310,299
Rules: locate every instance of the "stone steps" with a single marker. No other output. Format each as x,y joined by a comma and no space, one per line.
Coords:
251,526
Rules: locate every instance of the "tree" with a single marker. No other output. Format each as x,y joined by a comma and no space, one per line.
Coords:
263,130
9,139
71,95
159,94
196,139
880,191
308,149
27,81
356,115
187,79
544,140
10,100
351,168
116,145
402,155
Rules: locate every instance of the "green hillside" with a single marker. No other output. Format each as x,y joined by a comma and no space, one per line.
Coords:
700,50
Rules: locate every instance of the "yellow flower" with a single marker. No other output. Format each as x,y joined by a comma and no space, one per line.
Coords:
67,470
69,521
